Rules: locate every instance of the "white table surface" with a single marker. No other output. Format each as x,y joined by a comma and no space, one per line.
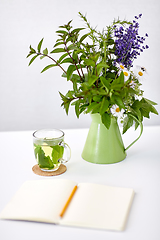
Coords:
140,171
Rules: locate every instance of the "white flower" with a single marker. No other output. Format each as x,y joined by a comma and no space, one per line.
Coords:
125,71
126,75
115,110
120,66
140,72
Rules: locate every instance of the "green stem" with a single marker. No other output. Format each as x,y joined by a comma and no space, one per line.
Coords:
96,75
72,60
104,55
81,67
78,57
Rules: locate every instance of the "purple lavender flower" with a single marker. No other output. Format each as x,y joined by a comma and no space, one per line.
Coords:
128,43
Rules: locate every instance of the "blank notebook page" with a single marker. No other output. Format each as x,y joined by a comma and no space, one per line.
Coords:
99,206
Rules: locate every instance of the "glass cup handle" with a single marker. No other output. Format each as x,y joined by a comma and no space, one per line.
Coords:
67,152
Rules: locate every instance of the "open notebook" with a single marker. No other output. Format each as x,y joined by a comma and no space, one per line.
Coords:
63,202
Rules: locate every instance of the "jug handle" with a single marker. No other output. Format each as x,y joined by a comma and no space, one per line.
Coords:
141,126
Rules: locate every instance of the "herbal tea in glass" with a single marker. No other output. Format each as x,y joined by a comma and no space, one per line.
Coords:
49,149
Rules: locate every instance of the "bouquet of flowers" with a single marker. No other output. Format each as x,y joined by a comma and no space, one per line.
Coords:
100,67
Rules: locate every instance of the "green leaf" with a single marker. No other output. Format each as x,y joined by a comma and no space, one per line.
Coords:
136,112
30,54
110,42
39,45
57,153
83,37
96,57
77,30
145,106
92,79
144,113
67,60
32,59
105,83
37,149
136,125
116,86
96,109
89,62
47,67
76,77
58,50
32,50
102,65
62,97
63,36
83,107
118,100
104,105
106,120
118,83
62,57
91,107
71,47
70,70
43,161
58,43
77,110
69,39
136,104
121,78
61,31
149,101
128,122
70,94
74,85
97,98
75,56
45,51
153,110
66,106
41,57
64,75
110,75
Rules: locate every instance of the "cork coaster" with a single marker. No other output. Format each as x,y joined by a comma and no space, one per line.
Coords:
38,171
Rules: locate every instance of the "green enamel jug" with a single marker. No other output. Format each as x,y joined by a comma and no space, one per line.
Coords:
105,146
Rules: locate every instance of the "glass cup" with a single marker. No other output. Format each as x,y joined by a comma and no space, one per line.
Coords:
50,149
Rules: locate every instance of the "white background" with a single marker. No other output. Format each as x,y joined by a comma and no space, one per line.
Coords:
30,100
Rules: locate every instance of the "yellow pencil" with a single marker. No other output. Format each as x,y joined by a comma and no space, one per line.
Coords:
68,201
